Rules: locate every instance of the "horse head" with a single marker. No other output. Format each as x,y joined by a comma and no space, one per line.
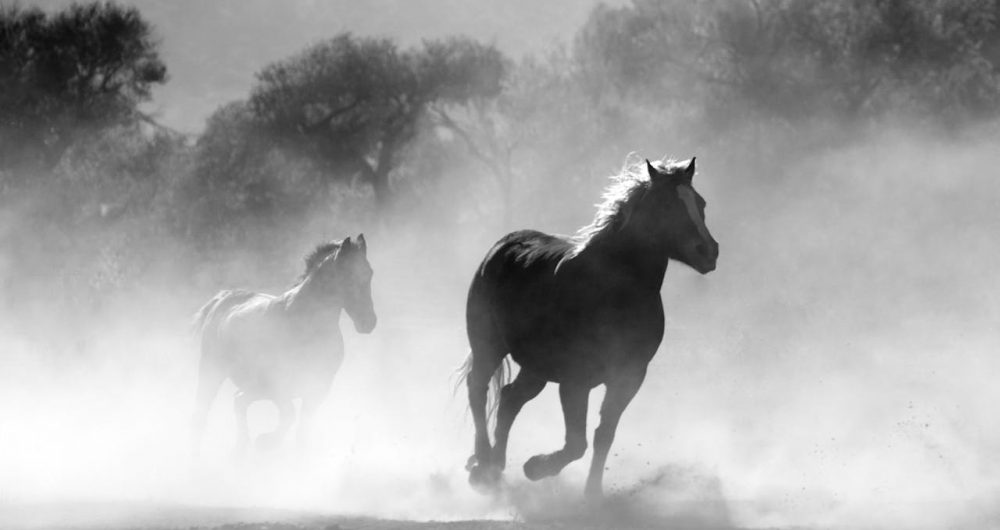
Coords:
348,274
678,215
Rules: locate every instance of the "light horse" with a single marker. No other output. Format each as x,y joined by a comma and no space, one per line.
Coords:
281,348
580,311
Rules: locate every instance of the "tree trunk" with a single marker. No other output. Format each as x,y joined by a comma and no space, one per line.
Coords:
379,178
506,176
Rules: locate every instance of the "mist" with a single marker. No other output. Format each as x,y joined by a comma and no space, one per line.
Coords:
836,371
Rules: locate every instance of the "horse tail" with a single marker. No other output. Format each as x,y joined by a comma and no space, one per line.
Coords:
206,311
500,378
198,323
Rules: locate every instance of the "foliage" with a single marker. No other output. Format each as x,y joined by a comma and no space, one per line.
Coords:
794,59
354,104
241,182
448,138
65,75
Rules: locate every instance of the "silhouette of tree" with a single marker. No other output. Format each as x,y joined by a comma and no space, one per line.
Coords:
795,58
70,74
354,104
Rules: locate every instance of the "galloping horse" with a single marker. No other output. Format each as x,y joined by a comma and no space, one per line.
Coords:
580,311
281,348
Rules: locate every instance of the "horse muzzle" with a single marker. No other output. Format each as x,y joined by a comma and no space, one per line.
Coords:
704,257
365,325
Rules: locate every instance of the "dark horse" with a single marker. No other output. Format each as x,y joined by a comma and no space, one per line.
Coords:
580,311
281,348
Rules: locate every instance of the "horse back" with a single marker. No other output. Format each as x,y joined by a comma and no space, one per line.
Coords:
519,264
207,318
562,316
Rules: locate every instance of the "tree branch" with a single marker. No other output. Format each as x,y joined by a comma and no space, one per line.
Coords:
308,129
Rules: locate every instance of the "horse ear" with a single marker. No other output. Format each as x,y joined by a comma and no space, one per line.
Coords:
362,244
689,170
346,243
651,170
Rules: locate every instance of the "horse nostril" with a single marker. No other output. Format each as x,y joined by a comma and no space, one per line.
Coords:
700,248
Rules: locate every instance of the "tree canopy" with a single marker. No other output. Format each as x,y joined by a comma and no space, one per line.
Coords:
70,73
354,104
797,58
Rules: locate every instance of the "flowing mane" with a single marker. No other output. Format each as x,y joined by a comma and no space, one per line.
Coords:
620,200
318,254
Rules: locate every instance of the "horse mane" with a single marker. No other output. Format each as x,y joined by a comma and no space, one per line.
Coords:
318,254
619,200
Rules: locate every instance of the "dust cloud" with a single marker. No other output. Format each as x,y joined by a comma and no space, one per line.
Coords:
837,370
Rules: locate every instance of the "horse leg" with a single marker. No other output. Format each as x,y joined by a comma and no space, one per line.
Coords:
314,394
241,404
620,392
485,361
574,404
513,396
286,418
210,378
307,413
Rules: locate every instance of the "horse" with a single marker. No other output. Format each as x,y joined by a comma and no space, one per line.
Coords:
282,348
580,311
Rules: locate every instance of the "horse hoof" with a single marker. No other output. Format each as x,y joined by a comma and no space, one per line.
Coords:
593,493
484,478
535,467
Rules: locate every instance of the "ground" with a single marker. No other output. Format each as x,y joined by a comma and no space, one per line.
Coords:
120,516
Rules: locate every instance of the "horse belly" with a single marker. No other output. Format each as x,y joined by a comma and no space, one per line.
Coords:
281,369
558,363
583,348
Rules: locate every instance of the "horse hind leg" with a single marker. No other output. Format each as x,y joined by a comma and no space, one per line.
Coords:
485,359
574,404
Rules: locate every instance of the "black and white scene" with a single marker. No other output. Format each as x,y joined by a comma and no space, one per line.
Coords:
481,264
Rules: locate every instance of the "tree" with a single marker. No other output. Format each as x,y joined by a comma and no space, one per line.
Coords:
354,104
68,75
793,59
541,123
240,179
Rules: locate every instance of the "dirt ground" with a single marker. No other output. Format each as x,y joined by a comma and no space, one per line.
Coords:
146,516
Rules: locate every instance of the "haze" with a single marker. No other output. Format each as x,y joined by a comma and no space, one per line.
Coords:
837,370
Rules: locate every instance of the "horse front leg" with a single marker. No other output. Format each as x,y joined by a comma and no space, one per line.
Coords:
525,387
574,404
620,392
307,415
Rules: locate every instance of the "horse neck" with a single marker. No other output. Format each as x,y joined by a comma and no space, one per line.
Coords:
639,253
306,299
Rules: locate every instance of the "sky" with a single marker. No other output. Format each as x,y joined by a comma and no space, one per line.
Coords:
213,49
